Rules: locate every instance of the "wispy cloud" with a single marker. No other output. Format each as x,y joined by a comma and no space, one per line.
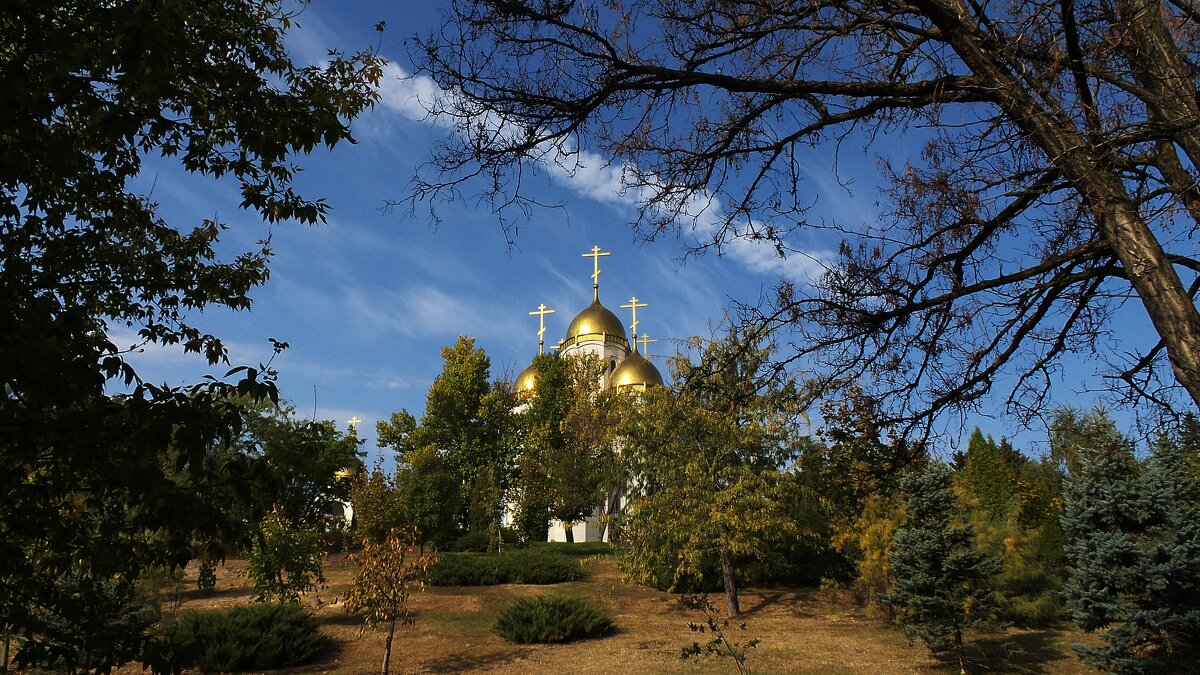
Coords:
591,175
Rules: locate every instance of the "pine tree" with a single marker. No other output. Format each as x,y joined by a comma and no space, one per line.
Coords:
941,580
1133,545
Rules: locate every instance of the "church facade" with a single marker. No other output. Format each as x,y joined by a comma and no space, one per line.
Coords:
597,331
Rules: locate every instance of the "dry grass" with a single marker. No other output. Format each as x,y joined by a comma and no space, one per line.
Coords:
801,631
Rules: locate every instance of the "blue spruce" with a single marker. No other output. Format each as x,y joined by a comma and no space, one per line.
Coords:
941,588
1133,546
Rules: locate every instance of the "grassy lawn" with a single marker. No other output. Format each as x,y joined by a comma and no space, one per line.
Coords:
801,631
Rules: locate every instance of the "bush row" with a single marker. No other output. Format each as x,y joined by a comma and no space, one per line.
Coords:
521,566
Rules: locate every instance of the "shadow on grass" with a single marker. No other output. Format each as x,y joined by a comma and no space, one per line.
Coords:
340,619
457,663
1034,651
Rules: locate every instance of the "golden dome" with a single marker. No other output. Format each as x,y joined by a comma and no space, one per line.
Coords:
356,468
635,373
526,382
595,323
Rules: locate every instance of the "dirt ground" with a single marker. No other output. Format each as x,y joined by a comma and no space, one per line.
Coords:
801,631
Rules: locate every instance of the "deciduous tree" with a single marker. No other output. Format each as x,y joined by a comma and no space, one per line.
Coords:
465,421
707,459
88,480
1045,178
386,574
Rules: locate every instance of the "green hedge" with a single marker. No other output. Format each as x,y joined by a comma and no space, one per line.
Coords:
521,566
248,637
581,550
552,618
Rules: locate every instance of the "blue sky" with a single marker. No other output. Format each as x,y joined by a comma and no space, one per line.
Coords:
367,300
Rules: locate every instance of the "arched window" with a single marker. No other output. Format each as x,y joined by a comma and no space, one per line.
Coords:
612,365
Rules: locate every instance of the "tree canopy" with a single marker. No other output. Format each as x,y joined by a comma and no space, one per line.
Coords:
1055,184
709,459
92,485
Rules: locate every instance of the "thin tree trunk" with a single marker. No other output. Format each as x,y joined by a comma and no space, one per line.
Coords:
387,647
728,574
7,643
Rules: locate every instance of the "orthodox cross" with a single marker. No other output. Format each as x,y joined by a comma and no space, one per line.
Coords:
634,304
354,422
541,315
646,345
595,256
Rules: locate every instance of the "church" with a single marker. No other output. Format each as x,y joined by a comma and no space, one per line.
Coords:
597,331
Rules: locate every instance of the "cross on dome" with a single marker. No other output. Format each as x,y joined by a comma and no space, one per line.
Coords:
595,255
645,340
541,315
633,305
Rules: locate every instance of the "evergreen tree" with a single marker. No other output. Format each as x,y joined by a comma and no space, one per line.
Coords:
989,476
1133,546
941,586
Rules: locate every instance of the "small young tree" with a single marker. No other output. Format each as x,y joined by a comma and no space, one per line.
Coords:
941,580
285,560
388,572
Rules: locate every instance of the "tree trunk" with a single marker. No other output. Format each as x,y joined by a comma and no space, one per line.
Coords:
1151,274
1153,277
728,574
387,647
4,660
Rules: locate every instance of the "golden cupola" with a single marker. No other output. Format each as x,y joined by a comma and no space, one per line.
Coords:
635,373
595,324
526,382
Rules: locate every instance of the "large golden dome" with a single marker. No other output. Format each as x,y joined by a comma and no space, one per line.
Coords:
635,373
595,323
526,382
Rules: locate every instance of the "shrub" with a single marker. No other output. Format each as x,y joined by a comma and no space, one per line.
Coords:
527,566
248,637
464,569
476,542
552,618
535,566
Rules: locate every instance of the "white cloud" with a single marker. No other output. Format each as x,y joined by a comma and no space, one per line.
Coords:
590,175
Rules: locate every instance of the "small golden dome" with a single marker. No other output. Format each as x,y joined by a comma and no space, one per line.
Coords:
636,373
595,323
526,382
357,468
